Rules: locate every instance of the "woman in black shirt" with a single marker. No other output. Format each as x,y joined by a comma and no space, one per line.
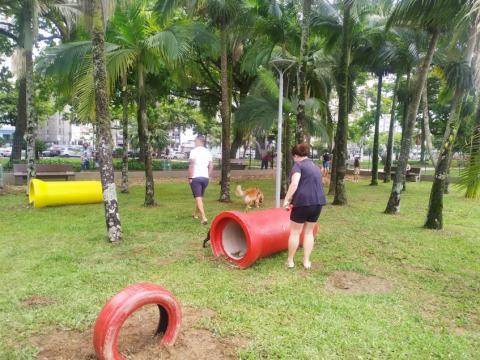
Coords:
307,197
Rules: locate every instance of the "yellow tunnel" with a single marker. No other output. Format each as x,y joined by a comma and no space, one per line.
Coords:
54,193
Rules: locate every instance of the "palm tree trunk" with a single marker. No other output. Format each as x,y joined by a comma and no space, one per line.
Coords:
149,182
426,126
406,104
435,207
331,187
21,122
329,125
31,130
124,186
342,125
112,216
393,205
376,137
388,162
225,114
301,78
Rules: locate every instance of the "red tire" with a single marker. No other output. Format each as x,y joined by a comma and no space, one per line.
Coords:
122,305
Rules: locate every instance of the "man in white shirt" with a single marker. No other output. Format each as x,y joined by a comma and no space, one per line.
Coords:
199,171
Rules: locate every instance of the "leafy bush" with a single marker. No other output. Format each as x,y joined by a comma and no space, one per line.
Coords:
157,164
133,164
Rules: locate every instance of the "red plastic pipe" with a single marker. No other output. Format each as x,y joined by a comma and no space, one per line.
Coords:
122,305
245,237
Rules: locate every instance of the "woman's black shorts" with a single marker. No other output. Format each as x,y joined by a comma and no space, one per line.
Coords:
302,214
198,186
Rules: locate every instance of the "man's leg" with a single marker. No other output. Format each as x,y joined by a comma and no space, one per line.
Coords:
196,212
201,210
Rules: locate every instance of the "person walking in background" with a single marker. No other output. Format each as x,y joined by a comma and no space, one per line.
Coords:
199,171
326,163
270,155
264,154
356,169
306,196
85,157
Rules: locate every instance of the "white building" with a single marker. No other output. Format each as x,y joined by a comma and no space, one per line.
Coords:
55,130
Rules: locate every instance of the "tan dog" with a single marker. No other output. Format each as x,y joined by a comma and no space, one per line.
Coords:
251,196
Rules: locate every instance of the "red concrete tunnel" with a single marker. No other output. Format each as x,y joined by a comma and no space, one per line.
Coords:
245,237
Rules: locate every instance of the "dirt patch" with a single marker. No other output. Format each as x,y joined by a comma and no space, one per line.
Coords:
37,300
136,340
355,283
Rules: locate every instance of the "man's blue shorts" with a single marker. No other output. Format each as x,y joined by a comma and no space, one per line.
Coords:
198,185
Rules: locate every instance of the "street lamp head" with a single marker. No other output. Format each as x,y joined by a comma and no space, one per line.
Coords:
281,64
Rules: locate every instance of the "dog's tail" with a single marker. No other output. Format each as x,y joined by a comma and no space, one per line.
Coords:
239,192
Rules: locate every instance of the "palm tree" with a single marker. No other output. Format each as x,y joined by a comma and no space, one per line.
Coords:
95,12
26,15
142,46
401,51
434,16
343,26
459,78
223,15
470,176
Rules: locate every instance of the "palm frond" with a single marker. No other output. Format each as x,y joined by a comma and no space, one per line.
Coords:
470,176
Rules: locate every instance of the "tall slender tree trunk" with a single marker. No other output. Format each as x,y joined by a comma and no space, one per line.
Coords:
426,126
342,125
331,187
440,181
301,73
225,114
124,187
376,137
21,122
149,182
406,103
112,216
422,142
393,205
31,130
329,125
388,162
435,207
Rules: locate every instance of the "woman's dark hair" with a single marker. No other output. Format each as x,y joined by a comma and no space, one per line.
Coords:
301,150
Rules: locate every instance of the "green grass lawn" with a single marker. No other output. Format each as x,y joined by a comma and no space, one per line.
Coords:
433,311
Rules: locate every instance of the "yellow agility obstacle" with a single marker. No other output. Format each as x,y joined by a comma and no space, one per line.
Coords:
54,193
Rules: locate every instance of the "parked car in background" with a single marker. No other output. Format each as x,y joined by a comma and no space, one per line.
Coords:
5,152
71,151
53,150
178,155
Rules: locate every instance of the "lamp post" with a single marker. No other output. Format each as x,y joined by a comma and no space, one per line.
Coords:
281,65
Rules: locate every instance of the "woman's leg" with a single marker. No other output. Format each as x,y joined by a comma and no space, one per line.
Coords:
293,241
308,240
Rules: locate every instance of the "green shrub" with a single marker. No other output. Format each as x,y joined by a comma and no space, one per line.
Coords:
133,164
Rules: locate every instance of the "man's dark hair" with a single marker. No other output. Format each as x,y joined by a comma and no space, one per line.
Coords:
201,138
